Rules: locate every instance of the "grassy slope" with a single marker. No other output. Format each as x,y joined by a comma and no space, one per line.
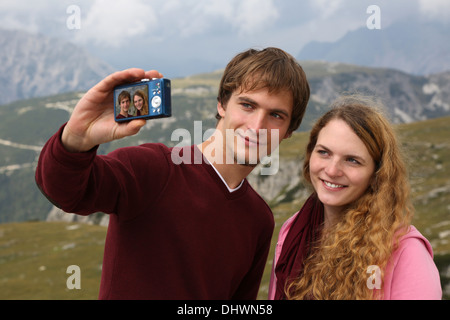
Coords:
34,256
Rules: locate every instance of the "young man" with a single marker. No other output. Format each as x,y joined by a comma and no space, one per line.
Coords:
189,230
124,103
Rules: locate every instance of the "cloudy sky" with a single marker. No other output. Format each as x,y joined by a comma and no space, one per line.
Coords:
180,37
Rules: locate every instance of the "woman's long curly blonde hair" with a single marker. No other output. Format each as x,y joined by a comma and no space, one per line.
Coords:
368,232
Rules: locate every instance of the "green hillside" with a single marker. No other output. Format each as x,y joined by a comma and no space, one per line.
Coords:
34,256
26,125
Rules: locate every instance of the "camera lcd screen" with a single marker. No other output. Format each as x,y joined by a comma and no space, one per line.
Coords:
131,102
147,99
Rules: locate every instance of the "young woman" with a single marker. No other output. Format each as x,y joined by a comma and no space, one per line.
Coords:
140,102
353,238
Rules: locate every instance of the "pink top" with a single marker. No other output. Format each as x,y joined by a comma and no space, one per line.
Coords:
414,275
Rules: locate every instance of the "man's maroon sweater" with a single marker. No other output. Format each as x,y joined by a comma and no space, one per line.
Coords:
175,231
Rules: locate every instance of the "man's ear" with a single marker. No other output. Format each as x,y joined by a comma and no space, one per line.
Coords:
220,109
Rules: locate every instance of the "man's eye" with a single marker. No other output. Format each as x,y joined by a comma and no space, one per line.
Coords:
277,116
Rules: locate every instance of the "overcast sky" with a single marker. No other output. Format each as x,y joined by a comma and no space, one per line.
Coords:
179,36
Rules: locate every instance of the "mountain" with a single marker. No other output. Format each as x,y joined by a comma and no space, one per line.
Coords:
407,97
35,66
27,124
422,102
416,48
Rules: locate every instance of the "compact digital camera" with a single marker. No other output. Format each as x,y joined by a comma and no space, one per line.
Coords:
147,99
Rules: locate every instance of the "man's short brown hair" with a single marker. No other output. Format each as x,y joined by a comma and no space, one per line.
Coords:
124,95
270,68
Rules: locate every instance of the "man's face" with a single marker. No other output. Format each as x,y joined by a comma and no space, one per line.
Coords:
125,104
254,123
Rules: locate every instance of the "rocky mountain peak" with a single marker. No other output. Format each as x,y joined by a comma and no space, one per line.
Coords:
33,65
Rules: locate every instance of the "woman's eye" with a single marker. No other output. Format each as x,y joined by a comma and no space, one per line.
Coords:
353,160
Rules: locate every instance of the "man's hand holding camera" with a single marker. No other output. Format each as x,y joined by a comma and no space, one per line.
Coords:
92,121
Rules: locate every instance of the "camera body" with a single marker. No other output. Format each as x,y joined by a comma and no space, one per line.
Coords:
147,99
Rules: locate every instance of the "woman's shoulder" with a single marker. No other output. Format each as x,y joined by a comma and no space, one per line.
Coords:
414,241
412,273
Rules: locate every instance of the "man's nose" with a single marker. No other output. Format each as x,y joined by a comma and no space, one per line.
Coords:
258,122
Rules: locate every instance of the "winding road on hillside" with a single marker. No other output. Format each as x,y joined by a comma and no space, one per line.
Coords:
20,145
14,167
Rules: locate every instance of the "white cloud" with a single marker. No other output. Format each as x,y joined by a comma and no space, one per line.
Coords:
195,17
111,23
326,8
436,9
209,31
28,15
253,16
190,18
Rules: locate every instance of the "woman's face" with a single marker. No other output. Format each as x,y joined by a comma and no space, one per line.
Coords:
341,167
138,102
